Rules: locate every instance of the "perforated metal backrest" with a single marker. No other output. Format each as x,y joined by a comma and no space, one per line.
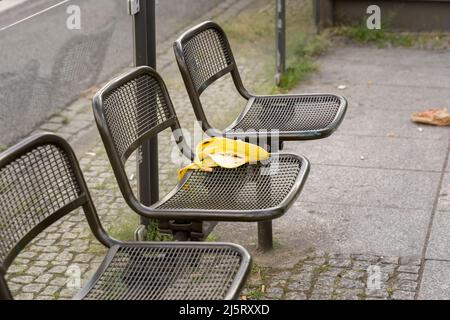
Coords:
40,182
204,55
128,111
131,109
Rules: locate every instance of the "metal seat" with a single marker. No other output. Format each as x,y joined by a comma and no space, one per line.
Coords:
295,117
204,55
181,271
41,182
136,107
249,193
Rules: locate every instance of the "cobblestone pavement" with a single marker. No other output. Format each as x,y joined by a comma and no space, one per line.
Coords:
44,269
327,276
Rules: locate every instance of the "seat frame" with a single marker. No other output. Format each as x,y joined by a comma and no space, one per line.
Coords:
264,216
274,140
232,69
85,202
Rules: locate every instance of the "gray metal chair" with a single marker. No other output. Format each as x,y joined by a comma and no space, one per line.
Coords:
41,182
135,107
204,55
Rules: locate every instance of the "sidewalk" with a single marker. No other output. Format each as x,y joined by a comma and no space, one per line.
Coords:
376,198
378,190
40,272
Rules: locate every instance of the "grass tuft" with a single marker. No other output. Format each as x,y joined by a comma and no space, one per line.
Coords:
65,120
360,33
252,36
386,37
124,228
212,238
153,233
302,63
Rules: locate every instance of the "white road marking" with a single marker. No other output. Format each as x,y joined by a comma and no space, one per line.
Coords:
33,15
8,4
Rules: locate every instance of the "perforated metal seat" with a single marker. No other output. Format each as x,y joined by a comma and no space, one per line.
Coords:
249,193
166,272
295,117
41,182
136,106
204,55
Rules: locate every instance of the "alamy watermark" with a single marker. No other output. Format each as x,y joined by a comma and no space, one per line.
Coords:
73,274
374,20
73,21
374,278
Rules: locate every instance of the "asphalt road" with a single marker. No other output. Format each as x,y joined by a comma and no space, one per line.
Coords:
44,66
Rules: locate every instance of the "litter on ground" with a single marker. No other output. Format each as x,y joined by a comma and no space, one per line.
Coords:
437,117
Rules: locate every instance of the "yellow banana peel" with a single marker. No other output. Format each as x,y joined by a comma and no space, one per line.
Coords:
225,153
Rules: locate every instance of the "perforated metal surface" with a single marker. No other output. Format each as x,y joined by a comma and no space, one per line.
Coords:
40,182
250,187
32,188
205,55
167,273
133,109
291,113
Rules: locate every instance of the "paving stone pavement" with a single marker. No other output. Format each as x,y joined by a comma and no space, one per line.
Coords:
317,275
48,267
379,185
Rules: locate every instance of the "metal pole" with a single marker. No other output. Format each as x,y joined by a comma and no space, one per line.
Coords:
265,237
317,15
280,39
144,29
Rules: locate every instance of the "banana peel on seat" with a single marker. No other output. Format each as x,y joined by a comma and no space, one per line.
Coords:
437,117
226,153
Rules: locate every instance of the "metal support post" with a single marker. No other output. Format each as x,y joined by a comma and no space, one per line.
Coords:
144,31
280,40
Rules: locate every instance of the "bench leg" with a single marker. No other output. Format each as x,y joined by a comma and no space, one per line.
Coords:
140,233
265,241
181,236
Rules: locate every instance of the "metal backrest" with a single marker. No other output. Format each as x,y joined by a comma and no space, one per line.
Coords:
128,111
131,109
40,182
37,185
204,55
